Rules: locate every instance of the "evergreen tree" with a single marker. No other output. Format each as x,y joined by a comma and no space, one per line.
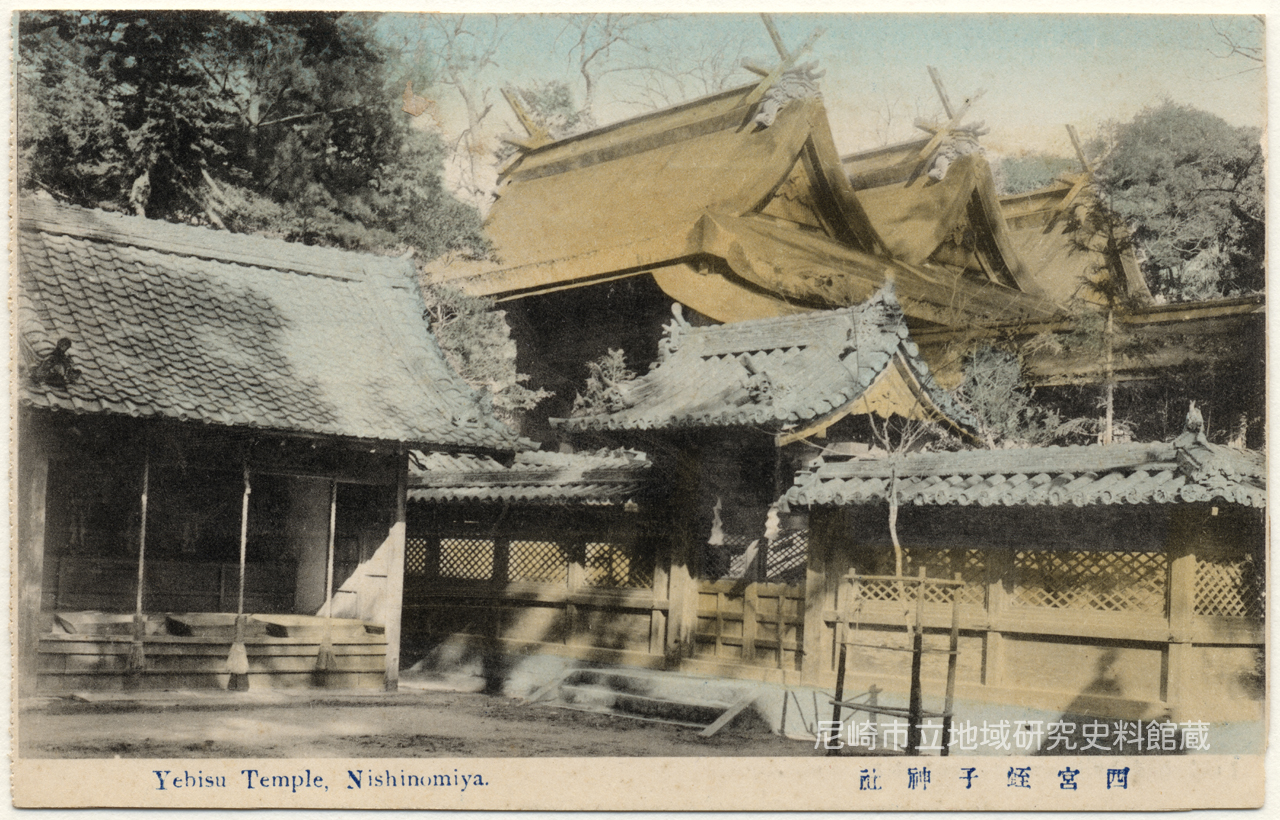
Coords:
281,123
1191,186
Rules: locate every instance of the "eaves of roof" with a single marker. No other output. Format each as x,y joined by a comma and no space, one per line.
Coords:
1044,476
194,325
609,477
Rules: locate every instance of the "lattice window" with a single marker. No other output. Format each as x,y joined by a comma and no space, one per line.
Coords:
1104,581
541,561
466,558
944,564
1233,587
415,556
611,565
785,562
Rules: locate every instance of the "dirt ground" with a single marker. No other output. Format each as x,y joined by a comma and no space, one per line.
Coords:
406,724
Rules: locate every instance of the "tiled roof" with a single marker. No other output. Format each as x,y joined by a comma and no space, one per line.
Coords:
779,373
199,325
602,478
1186,470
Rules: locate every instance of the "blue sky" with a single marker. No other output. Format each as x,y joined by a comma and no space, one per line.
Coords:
1038,71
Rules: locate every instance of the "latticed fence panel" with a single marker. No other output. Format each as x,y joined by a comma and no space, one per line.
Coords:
415,556
943,564
884,590
611,565
782,561
1230,586
1102,581
541,561
468,559
727,560
785,561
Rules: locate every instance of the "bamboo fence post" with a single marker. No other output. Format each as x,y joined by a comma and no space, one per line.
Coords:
842,637
917,650
952,660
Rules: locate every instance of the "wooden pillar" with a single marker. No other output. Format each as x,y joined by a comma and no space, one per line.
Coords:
575,546
1000,571
393,609
824,532
137,655
683,616
330,548
326,659
661,589
1185,532
238,658
33,482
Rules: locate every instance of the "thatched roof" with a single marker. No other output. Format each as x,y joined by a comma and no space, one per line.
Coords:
733,220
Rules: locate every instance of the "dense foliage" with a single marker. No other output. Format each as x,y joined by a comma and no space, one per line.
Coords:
1031,171
281,123
1191,186
476,340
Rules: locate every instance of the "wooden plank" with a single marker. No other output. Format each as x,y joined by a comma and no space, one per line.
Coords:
729,714
936,76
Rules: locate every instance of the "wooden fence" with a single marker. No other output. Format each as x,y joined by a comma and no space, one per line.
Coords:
1102,631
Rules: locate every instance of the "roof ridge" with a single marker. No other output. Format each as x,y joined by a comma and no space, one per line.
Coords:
209,243
782,332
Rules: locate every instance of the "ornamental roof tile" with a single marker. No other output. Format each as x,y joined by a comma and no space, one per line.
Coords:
781,373
1186,470
607,477
179,322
